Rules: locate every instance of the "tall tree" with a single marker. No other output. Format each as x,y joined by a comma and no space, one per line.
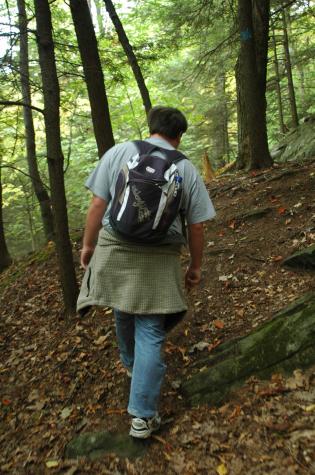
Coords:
298,64
54,152
5,258
251,69
277,79
288,66
221,136
99,17
93,74
123,38
38,186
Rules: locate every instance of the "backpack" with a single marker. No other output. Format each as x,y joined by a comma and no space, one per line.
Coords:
147,195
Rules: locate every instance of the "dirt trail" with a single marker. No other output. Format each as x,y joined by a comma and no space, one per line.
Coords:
60,378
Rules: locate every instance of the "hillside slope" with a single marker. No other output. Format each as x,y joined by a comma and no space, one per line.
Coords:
63,377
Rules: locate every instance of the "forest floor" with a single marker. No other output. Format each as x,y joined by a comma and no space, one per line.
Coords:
61,377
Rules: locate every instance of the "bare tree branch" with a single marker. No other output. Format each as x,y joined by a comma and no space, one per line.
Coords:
23,104
23,173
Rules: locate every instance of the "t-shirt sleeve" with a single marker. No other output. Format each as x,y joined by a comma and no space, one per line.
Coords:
199,206
98,182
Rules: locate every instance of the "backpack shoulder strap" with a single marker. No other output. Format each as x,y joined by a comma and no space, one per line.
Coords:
173,156
144,147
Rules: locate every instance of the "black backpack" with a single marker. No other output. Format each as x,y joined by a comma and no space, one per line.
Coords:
147,195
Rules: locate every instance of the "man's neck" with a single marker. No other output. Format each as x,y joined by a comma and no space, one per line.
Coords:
174,142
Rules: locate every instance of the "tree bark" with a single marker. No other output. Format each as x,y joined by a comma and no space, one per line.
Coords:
93,74
278,88
5,258
298,64
288,66
221,136
38,186
100,20
130,55
251,79
279,346
54,153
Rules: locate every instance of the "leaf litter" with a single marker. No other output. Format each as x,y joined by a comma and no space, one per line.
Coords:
62,377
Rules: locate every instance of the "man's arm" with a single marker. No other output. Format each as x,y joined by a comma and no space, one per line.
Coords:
93,224
196,243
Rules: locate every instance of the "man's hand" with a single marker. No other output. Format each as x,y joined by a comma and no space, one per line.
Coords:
86,254
192,277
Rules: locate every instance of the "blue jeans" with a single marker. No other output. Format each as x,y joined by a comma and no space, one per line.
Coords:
140,340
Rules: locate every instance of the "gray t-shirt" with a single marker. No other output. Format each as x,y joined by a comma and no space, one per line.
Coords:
195,198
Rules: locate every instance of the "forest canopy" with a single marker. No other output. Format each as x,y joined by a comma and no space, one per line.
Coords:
211,59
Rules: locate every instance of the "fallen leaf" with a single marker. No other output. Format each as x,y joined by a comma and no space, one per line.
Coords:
218,324
274,199
232,224
240,312
33,395
299,380
281,210
221,469
65,413
200,346
276,258
236,412
52,463
6,402
310,408
115,411
101,340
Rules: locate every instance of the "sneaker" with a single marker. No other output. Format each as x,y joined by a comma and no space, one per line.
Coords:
142,428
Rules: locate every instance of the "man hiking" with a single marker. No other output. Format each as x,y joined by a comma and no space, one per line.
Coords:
143,192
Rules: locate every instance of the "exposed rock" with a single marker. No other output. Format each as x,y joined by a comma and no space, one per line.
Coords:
280,345
254,213
304,259
298,144
95,444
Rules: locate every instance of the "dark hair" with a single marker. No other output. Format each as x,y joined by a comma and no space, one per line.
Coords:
167,121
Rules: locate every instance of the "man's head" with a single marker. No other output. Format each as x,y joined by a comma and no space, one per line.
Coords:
168,122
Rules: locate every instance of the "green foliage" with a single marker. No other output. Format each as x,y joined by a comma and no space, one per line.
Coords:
187,50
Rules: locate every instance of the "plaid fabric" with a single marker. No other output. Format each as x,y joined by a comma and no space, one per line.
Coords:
133,278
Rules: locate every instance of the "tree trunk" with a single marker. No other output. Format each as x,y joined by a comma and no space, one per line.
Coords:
251,80
130,55
242,129
221,137
54,153
38,186
100,19
225,120
5,258
281,345
93,74
278,87
293,108
298,64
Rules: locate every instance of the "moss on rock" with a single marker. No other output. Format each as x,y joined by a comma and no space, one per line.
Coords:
280,345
